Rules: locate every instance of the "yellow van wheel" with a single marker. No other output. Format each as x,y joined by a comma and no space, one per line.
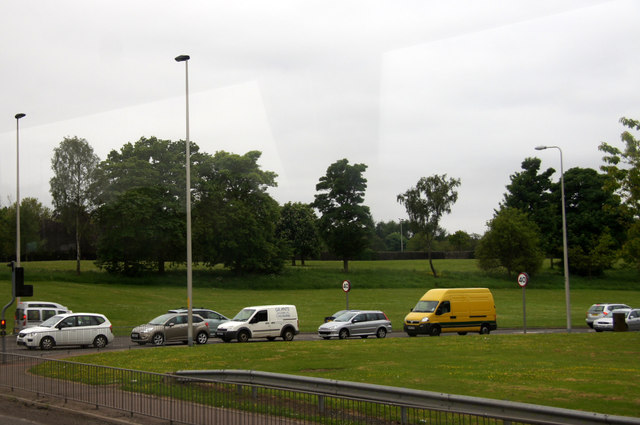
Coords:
434,330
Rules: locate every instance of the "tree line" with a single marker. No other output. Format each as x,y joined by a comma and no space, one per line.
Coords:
128,212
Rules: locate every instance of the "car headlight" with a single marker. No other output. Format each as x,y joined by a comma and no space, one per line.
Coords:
424,320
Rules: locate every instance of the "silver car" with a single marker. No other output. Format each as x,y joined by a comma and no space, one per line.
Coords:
631,317
360,323
171,327
213,318
599,311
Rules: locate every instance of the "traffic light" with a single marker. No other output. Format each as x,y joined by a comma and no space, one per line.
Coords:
3,327
17,280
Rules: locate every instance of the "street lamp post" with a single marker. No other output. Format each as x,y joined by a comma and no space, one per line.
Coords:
564,238
185,59
18,116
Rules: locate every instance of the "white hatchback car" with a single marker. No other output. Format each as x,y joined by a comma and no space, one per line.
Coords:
82,329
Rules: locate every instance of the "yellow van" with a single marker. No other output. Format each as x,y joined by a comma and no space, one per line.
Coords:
459,310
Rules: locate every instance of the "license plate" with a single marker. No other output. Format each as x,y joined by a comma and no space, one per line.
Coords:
135,335
411,327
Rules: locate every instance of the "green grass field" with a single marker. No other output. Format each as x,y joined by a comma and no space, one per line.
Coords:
593,372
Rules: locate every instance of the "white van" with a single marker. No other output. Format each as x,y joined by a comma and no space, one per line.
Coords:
32,313
264,321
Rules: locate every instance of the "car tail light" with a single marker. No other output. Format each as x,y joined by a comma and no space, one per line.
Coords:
385,315
206,324
604,313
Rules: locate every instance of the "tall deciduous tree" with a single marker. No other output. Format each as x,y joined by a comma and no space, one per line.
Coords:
152,170
426,203
234,216
530,192
73,164
345,223
511,243
297,226
623,169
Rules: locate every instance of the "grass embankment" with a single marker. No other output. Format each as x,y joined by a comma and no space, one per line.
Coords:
593,372
392,286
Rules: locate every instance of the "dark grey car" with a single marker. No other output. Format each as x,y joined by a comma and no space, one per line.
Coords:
213,318
360,323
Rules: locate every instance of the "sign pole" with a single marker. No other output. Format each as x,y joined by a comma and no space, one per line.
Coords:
523,280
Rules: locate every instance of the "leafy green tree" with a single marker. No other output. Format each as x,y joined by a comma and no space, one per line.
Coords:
154,170
345,223
138,232
511,243
5,235
426,203
234,216
33,216
622,166
73,164
297,226
460,240
631,249
530,192
596,222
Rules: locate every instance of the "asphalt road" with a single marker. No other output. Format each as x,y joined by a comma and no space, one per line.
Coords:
125,343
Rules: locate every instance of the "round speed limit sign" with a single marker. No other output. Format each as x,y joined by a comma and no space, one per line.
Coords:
523,279
346,286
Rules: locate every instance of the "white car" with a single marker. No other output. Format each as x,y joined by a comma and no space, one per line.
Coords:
631,317
68,329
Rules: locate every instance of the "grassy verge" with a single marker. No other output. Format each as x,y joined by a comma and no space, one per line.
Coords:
392,286
592,372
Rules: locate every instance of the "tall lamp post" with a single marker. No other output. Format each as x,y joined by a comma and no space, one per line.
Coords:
185,59
18,116
564,237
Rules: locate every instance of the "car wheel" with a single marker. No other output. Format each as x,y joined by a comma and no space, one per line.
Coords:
243,336
382,332
100,341
344,334
47,343
434,331
202,338
484,329
288,334
598,330
158,339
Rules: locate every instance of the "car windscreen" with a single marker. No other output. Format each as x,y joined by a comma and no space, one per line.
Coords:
345,317
244,315
160,320
51,321
425,306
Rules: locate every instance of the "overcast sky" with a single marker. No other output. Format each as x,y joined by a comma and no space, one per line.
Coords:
410,88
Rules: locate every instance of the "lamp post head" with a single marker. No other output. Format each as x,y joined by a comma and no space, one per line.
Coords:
182,58
541,148
21,115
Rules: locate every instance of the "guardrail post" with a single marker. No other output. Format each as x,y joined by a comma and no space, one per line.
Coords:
403,415
321,403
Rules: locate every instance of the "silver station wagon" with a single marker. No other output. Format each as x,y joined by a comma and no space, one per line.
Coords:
360,323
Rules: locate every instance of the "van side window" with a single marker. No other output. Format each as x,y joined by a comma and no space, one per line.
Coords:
260,316
47,313
445,307
33,315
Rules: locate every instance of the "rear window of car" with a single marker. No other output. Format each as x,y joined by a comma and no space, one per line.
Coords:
33,315
596,309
